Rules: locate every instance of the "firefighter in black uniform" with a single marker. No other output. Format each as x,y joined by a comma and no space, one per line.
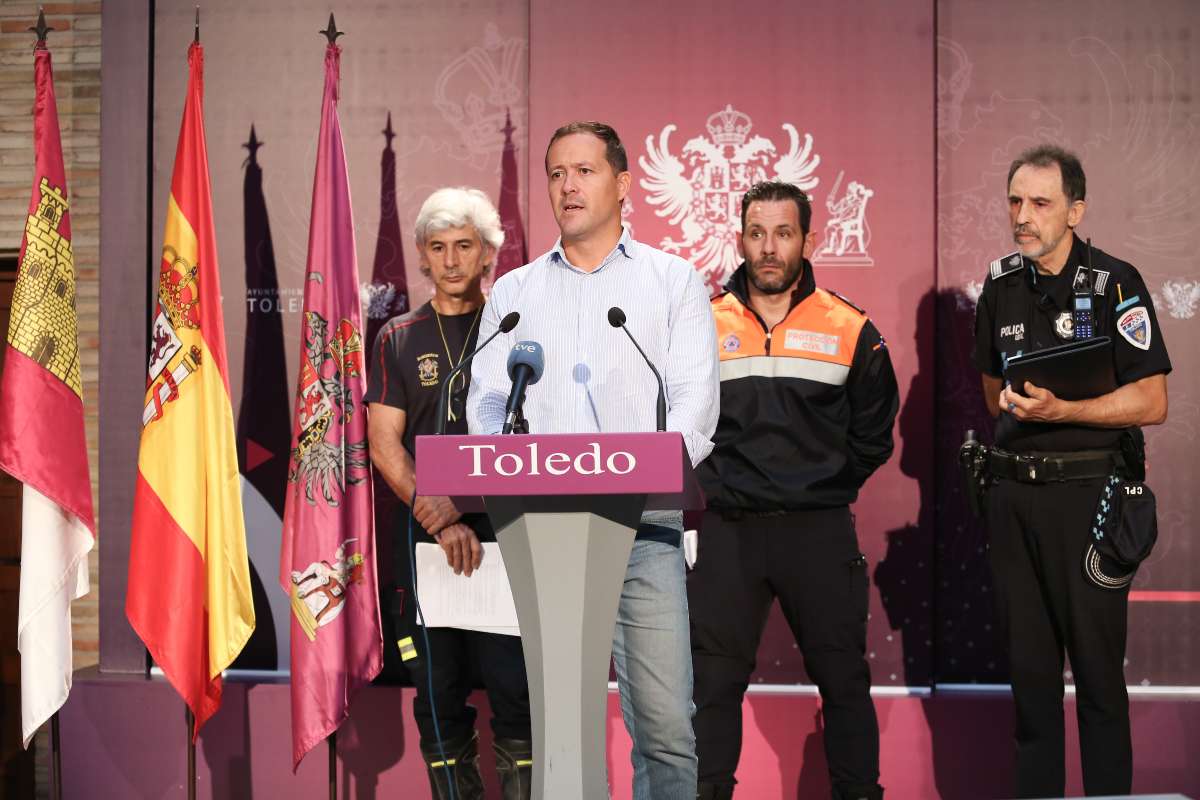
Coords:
458,234
1051,462
808,401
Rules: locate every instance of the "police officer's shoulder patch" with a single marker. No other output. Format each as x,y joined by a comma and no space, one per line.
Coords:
1005,264
1135,328
847,302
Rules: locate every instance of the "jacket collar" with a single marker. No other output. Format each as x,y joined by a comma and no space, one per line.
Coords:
739,285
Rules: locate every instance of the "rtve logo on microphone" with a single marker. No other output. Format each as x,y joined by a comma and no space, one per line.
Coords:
589,461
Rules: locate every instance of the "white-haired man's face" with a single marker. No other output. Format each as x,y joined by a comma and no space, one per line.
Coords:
455,260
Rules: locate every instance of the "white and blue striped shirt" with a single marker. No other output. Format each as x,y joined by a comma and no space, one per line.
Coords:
594,379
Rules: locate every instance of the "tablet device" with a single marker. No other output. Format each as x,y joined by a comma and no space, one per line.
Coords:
1073,371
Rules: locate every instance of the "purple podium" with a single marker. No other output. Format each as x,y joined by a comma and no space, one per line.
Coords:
565,508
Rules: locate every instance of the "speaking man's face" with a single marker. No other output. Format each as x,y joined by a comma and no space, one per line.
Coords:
1040,213
585,193
456,259
774,246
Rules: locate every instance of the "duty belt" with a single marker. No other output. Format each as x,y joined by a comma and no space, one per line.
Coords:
1053,467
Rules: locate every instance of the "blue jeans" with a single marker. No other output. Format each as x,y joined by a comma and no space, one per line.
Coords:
653,659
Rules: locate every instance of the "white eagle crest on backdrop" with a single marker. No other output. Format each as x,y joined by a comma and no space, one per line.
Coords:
701,189
1179,297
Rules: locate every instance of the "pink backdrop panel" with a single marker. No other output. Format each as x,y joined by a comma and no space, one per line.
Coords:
1117,85
689,88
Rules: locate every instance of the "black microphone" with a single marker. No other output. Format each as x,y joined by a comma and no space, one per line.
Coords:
506,325
616,318
525,365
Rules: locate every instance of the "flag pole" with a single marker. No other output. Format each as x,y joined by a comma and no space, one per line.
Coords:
191,719
41,29
55,760
331,33
331,742
191,754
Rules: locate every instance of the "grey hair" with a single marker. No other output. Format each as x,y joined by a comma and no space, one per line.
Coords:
454,207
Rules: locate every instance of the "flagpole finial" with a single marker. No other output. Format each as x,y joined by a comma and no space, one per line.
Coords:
41,29
331,33
388,133
253,146
196,33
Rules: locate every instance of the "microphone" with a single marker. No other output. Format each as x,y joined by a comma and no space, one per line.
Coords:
616,318
506,325
525,365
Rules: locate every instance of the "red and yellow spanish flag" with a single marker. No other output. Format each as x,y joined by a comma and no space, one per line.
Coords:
189,579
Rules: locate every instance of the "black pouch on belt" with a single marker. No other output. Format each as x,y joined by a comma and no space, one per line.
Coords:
1123,532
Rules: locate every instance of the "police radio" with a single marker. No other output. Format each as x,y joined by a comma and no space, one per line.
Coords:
1082,317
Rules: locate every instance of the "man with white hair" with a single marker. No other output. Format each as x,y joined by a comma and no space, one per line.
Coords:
458,235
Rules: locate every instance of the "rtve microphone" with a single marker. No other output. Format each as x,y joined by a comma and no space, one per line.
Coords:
616,318
506,325
525,365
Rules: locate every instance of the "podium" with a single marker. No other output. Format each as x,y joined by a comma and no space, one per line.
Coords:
565,508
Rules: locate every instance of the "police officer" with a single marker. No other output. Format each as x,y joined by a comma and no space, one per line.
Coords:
458,234
1051,461
808,400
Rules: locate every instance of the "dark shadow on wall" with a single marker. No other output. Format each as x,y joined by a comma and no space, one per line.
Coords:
971,736
803,770
264,414
966,646
513,253
953,641
905,575
946,550
971,739
227,745
386,296
370,743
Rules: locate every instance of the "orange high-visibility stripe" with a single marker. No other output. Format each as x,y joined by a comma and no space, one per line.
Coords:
819,321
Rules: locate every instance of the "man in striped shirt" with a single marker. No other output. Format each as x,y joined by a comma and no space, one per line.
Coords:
595,381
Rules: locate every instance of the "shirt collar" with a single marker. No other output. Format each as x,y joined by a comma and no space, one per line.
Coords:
1061,287
626,246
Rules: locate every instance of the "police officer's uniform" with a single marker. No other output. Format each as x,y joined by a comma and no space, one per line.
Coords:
1040,509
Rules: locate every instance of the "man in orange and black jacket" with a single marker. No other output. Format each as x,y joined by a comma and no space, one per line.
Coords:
808,400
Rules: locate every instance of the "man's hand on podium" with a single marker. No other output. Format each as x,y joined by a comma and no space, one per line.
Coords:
463,551
435,513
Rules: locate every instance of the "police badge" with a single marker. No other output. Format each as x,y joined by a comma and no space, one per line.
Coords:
1064,326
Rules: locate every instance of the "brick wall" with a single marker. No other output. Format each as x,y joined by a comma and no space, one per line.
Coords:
75,45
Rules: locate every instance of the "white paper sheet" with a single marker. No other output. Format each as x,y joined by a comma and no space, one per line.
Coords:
691,548
482,602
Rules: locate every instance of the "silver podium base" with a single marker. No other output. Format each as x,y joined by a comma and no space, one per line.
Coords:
566,570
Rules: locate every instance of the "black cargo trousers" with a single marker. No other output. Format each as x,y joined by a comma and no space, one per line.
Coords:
1045,606
810,561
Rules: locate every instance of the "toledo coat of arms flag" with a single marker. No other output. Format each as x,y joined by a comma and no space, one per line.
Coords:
327,564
